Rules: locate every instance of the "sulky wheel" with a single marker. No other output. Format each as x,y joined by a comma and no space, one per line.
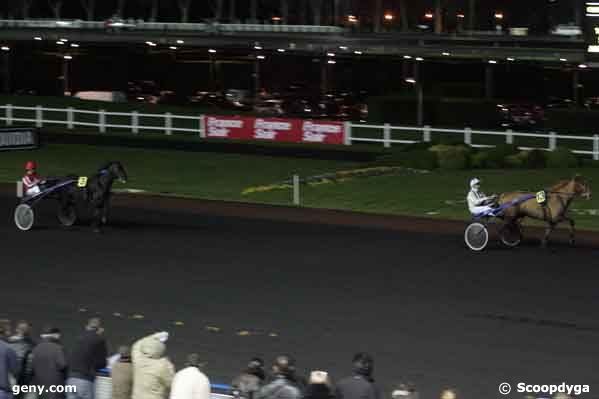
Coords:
476,236
511,234
67,216
24,217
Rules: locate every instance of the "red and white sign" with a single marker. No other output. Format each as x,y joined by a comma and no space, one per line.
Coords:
274,129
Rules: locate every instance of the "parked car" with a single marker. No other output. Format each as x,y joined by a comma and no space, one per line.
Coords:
269,107
521,116
592,103
557,103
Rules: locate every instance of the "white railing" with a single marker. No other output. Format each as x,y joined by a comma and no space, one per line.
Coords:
101,119
385,134
467,135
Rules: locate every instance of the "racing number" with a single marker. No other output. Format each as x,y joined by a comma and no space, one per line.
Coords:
82,182
541,197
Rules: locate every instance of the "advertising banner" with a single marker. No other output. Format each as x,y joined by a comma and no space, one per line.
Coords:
274,129
18,138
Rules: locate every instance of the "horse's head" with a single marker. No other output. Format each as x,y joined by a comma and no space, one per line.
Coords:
581,188
116,170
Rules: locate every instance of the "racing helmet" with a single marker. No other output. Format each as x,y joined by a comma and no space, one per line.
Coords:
30,165
475,181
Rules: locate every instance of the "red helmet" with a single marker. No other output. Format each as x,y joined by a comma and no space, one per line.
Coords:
30,165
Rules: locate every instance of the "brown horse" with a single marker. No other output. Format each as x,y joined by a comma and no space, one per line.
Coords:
553,211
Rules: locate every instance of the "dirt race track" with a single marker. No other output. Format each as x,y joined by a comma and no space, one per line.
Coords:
244,284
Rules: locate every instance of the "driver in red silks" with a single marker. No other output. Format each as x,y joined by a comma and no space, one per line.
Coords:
31,180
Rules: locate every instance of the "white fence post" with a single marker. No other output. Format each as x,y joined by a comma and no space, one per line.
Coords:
347,138
9,114
70,118
296,190
202,124
426,134
596,147
168,123
509,137
552,141
387,135
102,120
135,122
468,136
39,116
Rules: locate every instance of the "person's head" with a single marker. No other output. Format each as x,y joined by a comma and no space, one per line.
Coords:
94,324
50,333
475,183
284,365
256,367
449,394
404,391
193,360
5,329
319,377
363,364
30,167
23,328
124,353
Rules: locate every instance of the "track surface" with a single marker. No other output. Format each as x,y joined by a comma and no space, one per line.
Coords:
429,310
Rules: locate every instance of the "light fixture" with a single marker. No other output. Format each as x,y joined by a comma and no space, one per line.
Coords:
389,17
281,50
59,43
261,57
174,47
429,15
38,38
563,59
583,66
68,57
410,80
419,59
212,51
492,62
74,45
257,47
64,40
330,54
342,47
445,53
460,16
511,59
180,41
5,48
331,62
498,15
358,52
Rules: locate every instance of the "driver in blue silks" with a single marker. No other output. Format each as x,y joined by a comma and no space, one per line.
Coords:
479,202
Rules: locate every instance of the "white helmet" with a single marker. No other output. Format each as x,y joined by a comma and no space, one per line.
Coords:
474,182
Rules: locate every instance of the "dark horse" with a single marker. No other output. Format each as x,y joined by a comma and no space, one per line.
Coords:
95,192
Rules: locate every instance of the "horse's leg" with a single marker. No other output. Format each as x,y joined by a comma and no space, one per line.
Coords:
106,209
548,231
572,229
96,218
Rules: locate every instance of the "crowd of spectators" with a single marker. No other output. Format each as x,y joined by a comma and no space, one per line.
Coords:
143,371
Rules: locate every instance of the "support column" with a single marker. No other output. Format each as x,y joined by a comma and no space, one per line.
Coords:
489,81
576,87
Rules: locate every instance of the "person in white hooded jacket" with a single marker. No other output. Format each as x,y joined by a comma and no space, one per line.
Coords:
153,372
191,383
